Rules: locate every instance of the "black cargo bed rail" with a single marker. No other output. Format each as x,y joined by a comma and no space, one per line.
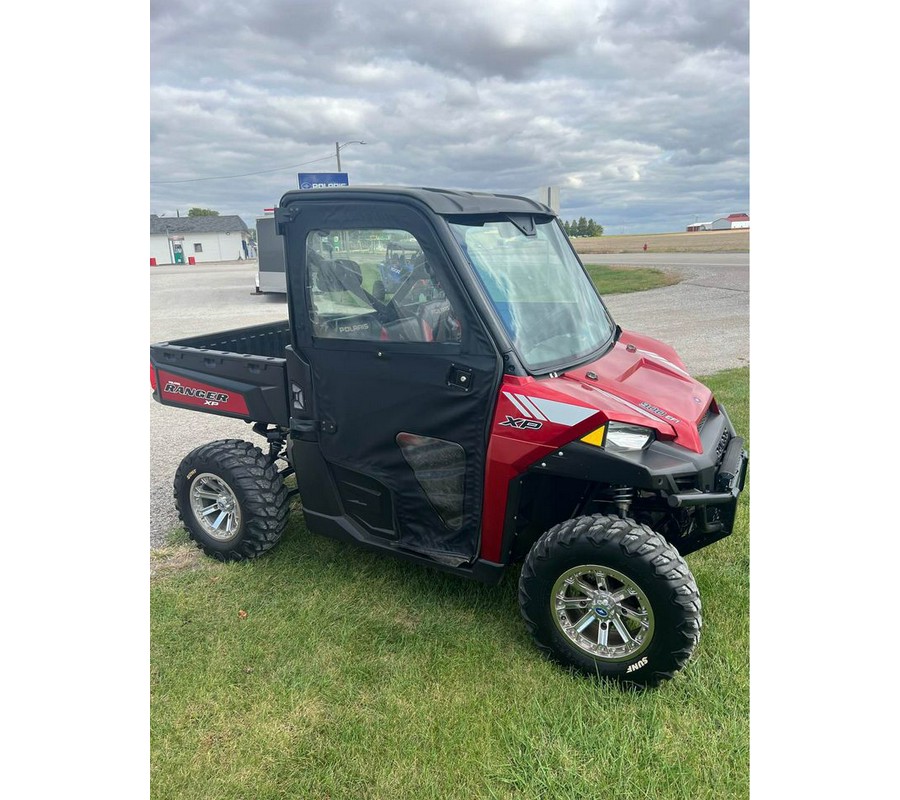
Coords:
268,339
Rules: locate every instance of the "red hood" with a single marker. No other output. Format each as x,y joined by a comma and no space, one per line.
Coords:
644,381
641,381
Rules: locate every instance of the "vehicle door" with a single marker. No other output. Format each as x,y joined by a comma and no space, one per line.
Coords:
403,379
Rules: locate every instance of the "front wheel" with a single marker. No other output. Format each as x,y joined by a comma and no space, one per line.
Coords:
231,499
612,598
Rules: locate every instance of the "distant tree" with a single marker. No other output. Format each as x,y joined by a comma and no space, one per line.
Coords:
582,227
202,212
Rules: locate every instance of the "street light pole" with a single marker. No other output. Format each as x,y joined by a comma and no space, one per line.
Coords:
337,151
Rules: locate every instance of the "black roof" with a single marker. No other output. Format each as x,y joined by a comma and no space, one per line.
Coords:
226,224
440,201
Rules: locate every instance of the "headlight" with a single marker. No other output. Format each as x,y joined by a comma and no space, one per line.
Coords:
620,437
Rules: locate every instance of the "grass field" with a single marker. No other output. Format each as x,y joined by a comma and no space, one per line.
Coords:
619,280
322,671
736,241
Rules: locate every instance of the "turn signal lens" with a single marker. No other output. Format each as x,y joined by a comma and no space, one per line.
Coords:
595,437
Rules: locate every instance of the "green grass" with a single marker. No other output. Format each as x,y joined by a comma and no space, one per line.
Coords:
614,280
354,675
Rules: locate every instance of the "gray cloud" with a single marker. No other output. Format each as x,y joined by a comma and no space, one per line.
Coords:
638,111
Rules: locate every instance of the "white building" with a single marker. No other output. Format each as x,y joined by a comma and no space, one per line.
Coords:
174,240
730,222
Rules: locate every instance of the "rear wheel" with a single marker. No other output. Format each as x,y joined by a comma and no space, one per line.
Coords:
378,291
231,499
612,598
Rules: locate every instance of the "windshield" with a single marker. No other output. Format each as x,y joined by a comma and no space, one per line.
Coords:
546,302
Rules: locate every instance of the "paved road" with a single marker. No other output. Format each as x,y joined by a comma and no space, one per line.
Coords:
705,317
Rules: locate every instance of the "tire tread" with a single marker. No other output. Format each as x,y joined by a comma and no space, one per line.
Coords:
264,503
636,541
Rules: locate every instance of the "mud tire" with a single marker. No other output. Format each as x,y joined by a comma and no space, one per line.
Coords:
647,560
258,489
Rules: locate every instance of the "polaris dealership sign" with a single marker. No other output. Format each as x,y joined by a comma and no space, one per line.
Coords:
322,180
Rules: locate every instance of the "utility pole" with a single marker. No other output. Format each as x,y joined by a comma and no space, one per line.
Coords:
337,151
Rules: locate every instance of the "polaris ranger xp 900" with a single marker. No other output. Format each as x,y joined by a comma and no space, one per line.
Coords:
486,410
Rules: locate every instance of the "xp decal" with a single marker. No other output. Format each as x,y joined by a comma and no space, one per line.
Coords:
522,424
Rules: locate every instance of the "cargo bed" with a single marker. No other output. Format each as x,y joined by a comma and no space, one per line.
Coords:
238,373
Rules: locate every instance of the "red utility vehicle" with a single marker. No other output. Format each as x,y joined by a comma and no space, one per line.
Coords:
487,411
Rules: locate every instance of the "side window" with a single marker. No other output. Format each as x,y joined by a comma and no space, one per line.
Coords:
375,284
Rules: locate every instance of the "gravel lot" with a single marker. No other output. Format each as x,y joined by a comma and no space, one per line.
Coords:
705,317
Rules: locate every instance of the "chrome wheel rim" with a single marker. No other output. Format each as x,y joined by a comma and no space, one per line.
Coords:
215,507
602,612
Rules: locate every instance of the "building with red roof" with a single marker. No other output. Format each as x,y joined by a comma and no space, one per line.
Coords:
731,222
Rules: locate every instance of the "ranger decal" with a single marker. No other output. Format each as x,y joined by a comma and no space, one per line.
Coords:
181,391
211,398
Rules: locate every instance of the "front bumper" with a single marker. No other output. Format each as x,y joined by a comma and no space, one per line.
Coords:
707,483
729,479
715,511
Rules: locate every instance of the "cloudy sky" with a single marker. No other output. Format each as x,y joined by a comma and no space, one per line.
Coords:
638,111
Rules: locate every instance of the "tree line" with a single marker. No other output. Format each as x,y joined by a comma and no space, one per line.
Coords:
582,227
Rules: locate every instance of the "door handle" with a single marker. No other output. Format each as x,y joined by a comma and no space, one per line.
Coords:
460,378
